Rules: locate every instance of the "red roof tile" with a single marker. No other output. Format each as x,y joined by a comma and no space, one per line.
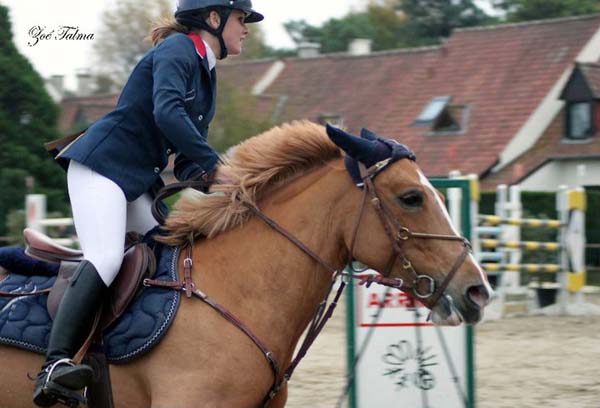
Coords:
502,73
592,76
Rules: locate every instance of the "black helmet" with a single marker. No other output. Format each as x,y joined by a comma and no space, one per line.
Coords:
185,7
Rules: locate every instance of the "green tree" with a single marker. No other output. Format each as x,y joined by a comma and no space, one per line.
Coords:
335,34
28,118
524,10
392,24
428,21
235,119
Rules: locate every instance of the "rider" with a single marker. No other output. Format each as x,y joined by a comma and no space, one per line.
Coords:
113,168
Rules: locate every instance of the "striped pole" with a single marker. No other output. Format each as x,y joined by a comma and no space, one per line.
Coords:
529,245
547,268
524,222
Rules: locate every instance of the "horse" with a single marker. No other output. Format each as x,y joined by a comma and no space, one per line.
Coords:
297,177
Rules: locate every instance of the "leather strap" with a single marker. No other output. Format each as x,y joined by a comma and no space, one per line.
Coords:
174,188
321,316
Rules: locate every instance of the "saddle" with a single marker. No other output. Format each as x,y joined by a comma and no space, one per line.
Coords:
138,263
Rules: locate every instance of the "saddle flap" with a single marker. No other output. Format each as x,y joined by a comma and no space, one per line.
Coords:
63,279
138,263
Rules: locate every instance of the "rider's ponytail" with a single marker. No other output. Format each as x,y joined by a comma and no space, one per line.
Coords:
165,28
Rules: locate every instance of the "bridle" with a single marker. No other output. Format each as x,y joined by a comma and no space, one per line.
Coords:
399,235
396,232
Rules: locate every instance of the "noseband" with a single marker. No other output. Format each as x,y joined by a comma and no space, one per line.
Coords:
399,235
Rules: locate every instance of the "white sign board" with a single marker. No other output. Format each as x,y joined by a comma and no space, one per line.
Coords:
405,363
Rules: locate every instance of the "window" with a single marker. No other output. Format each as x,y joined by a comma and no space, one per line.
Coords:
580,123
442,117
432,111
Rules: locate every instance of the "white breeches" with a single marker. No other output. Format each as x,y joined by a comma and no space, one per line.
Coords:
102,216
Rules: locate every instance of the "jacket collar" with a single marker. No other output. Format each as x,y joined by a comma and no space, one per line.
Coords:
201,50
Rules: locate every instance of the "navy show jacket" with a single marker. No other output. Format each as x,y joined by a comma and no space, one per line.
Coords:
165,108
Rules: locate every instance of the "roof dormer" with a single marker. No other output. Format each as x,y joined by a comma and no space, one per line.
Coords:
443,117
582,96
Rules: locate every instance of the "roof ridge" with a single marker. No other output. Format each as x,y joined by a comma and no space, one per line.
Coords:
250,61
345,54
529,23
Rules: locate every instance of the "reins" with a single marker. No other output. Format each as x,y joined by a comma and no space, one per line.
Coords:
397,234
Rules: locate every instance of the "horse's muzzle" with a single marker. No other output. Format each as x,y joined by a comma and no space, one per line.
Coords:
468,308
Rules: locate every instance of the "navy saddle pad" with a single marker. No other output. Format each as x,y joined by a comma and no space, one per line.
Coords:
25,323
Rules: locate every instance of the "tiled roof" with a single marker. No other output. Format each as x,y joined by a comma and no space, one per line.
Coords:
243,75
592,76
501,73
92,107
551,146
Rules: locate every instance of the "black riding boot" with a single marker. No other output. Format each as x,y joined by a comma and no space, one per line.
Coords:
60,378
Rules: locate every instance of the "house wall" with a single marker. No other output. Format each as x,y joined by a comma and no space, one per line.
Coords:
584,172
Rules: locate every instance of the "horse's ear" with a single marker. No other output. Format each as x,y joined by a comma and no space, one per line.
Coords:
367,134
354,146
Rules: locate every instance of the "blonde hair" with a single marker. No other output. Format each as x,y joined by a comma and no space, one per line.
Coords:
164,28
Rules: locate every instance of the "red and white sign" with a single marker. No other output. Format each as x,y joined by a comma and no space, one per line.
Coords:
404,363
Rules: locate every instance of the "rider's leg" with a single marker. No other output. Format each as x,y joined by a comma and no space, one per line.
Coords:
139,215
99,213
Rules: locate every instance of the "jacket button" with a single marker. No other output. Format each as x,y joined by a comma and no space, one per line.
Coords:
168,152
200,117
157,170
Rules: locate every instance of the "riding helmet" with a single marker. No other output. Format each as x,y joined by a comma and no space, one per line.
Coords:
193,6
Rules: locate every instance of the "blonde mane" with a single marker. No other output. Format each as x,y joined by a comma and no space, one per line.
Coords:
257,165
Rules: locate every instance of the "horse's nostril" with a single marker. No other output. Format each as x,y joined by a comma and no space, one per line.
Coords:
479,295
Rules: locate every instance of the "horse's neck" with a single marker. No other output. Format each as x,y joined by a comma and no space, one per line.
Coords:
268,282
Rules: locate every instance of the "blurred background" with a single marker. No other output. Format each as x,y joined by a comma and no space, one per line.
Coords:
505,90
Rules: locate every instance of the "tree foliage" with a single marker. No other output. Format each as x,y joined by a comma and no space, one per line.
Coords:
524,10
28,118
123,39
430,20
391,24
123,36
236,118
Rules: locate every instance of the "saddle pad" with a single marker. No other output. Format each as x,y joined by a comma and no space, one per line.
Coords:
25,323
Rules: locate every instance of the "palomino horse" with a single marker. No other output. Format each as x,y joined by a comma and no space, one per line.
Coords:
297,177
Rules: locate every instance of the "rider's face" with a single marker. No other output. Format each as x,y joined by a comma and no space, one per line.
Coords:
235,32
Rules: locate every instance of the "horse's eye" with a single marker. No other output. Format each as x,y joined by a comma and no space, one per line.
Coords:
411,200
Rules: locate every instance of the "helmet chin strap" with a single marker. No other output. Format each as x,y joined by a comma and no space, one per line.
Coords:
198,22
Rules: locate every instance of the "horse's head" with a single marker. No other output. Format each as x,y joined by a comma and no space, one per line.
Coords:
403,230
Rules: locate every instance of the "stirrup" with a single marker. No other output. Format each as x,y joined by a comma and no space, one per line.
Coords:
61,394
65,396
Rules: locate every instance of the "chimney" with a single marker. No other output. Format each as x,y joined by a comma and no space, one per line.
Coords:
360,46
308,49
85,83
58,82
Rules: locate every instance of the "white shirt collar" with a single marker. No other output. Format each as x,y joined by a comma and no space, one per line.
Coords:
210,56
